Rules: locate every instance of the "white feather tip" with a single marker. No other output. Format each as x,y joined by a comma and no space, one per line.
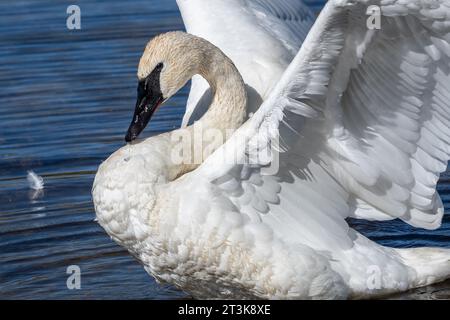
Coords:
35,182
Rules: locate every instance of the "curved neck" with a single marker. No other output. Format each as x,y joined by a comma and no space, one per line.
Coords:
225,114
227,110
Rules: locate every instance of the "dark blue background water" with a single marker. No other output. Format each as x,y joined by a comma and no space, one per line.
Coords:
66,99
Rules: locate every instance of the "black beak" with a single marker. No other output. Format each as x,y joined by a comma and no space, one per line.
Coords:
146,105
149,98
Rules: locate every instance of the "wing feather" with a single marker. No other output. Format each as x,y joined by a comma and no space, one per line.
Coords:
370,110
260,36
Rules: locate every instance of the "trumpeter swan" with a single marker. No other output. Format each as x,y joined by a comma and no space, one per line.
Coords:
357,126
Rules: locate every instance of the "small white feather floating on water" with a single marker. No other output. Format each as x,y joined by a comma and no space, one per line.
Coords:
35,182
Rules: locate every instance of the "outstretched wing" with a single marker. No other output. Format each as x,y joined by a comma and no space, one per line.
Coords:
364,123
260,36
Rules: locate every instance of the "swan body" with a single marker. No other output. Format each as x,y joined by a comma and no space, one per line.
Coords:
357,126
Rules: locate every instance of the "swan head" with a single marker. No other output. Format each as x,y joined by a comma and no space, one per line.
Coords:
167,64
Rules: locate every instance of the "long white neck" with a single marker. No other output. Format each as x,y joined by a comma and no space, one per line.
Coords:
228,107
229,103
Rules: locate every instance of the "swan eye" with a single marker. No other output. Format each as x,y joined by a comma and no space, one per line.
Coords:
159,66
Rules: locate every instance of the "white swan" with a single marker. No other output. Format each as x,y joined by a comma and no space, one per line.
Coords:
363,118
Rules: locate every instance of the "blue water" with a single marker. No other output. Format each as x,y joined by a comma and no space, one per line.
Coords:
66,100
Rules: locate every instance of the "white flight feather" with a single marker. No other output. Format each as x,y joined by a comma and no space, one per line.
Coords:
35,182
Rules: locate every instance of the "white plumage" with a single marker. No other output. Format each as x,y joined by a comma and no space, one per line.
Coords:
266,40
363,119
35,182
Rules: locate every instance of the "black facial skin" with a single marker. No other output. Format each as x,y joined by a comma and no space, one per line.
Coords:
149,98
